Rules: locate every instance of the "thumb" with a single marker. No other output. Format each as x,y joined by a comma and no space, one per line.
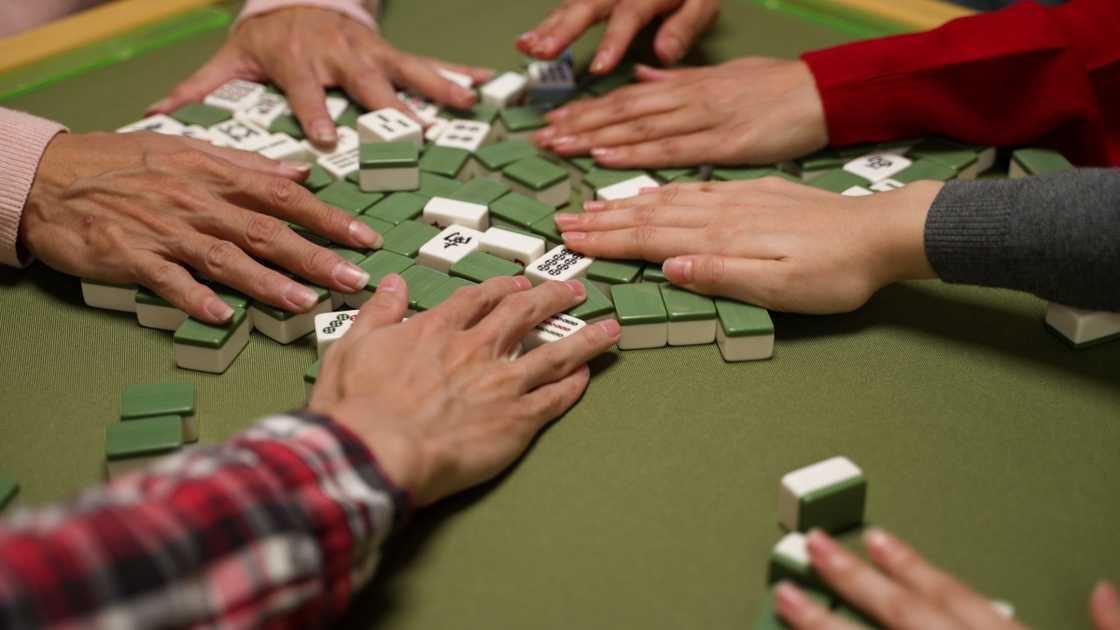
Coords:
222,67
1104,606
680,30
742,279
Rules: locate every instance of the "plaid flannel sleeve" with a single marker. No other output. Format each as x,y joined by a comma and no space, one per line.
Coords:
277,526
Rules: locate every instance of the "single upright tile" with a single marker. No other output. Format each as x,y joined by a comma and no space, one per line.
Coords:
692,317
348,197
408,237
440,294
641,313
388,154
745,333
389,166
828,495
398,207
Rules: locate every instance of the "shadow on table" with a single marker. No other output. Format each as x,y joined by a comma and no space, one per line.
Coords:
957,315
377,602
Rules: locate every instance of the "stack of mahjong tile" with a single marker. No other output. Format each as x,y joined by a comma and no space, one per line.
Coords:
155,420
830,496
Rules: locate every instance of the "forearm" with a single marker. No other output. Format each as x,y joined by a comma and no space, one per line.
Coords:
280,523
1024,75
23,139
364,11
1057,236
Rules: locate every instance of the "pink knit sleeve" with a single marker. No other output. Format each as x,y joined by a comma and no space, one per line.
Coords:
23,138
361,10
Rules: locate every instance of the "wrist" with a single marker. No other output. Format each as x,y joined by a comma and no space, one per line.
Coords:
901,215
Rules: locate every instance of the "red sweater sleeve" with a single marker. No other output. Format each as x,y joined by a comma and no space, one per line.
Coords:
1026,74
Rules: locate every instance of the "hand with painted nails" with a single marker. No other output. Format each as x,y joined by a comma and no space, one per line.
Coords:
903,590
770,242
684,21
749,111
438,398
144,208
303,49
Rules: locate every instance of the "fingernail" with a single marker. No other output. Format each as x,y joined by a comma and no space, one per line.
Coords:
824,548
789,597
601,61
565,218
574,237
878,540
671,49
601,152
349,275
218,309
679,270
324,132
563,141
522,283
297,167
594,206
301,296
364,234
527,37
610,327
159,105
391,283
545,135
577,288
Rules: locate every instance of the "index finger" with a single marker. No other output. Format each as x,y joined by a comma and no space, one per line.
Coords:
646,242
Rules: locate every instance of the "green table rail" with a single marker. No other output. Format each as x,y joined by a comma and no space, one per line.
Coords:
987,442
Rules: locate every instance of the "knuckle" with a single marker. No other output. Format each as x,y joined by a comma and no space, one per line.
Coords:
196,161
261,231
220,255
282,192
161,277
643,237
318,260
711,270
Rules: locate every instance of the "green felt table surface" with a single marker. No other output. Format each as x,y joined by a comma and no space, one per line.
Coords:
987,442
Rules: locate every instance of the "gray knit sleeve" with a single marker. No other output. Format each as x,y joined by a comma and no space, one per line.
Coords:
1057,236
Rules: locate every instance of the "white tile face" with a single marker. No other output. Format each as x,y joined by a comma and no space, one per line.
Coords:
330,327
268,108
109,298
236,95
240,135
555,328
443,212
809,479
449,247
794,546
513,246
887,185
339,165
1080,325
213,360
458,78
284,147
336,106
877,166
464,134
424,109
389,125
160,123
505,90
560,264
857,191
347,141
551,74
389,179
629,188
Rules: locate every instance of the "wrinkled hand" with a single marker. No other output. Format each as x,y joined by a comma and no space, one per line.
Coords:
143,208
750,111
684,21
437,398
303,49
770,242
906,591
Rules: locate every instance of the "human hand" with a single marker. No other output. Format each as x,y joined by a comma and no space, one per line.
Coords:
303,49
749,111
770,242
143,208
437,398
685,20
906,592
